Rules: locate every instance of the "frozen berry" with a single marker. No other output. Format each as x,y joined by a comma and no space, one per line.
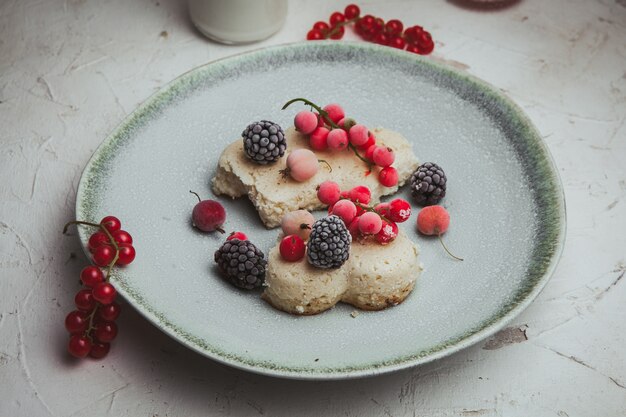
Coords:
360,194
388,232
369,152
353,228
337,139
346,123
237,235
382,209
208,215
370,223
371,141
428,184
335,112
329,244
358,135
399,210
298,223
328,192
302,164
292,248
264,142
388,177
242,263
305,122
383,156
345,210
434,220
318,139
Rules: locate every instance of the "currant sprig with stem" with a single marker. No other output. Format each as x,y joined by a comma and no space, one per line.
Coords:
323,113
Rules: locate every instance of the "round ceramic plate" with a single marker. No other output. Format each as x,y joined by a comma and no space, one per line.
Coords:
504,197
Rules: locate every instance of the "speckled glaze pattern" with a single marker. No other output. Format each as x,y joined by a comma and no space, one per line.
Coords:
504,196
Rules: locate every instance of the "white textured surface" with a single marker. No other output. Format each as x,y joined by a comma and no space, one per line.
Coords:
70,71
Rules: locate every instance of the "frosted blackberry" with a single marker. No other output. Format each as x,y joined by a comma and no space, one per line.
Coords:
264,142
329,243
242,263
428,184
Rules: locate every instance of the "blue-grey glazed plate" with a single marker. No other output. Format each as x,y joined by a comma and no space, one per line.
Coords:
504,197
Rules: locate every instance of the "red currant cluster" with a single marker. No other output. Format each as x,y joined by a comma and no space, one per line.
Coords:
363,220
92,325
329,129
374,29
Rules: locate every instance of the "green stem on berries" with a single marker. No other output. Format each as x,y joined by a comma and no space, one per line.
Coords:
199,199
109,236
327,164
335,28
368,208
323,113
446,249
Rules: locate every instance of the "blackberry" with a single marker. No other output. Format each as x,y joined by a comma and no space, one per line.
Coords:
428,184
264,142
242,263
329,243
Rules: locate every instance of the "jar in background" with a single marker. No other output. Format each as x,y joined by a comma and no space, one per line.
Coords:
238,21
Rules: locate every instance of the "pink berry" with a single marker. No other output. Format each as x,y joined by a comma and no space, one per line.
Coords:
369,153
358,135
387,233
383,156
353,228
237,235
318,139
302,164
292,248
388,177
298,223
360,194
382,209
399,210
320,120
433,220
346,123
208,215
328,192
371,141
370,223
335,112
337,139
305,122
345,209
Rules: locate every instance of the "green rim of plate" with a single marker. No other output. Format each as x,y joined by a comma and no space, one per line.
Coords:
547,192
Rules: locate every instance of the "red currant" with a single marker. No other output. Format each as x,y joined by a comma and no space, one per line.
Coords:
105,331
103,255
84,300
337,18
314,35
76,322
96,240
91,275
111,223
379,25
237,235
399,210
292,248
323,27
394,27
427,47
380,39
99,350
79,346
371,140
388,177
104,293
122,236
352,11
387,233
337,32
126,255
109,312
413,48
397,42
